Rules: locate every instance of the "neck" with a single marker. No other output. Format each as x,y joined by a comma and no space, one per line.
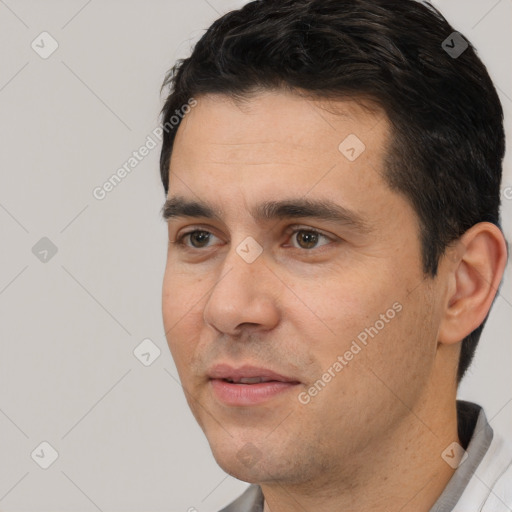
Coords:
402,470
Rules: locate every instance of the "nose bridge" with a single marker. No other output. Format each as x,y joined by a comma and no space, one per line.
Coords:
245,263
242,294
244,272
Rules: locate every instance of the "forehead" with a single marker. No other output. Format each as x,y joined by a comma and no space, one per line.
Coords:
275,123
275,143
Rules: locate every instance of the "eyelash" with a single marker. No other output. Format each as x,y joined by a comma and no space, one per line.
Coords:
180,241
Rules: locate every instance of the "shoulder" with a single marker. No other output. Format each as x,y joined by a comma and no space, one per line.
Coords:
490,488
497,475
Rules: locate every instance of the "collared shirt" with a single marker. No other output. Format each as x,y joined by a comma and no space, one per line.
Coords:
482,482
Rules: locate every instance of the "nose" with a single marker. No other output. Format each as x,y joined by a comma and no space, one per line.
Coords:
245,297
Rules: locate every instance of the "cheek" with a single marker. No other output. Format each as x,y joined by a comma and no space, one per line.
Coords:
182,313
181,290
399,356
370,319
345,304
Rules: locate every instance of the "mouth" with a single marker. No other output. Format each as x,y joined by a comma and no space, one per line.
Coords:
250,380
248,385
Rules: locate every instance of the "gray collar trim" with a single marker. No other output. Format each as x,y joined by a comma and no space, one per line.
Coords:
477,448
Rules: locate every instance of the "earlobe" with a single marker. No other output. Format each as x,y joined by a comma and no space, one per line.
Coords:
475,265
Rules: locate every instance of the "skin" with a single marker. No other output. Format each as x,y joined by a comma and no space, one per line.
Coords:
372,439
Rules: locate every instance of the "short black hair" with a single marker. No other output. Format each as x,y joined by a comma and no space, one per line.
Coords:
448,139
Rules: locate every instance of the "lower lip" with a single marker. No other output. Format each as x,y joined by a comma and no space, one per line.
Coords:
249,394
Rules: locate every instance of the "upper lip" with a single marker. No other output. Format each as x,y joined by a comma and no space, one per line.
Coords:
225,371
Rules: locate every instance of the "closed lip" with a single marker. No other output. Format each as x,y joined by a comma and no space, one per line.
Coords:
235,374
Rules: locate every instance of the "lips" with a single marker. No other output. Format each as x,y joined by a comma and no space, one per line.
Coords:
227,372
248,385
249,380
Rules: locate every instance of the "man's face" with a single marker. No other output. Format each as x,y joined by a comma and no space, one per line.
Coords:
263,295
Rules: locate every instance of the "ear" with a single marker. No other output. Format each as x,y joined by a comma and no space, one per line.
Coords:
475,266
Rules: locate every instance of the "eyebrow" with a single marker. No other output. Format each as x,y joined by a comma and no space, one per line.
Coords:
321,209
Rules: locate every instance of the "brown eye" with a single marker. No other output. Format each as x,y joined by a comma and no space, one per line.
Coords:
307,239
198,239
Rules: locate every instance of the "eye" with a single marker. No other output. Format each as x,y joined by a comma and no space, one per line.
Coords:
308,238
198,239
302,238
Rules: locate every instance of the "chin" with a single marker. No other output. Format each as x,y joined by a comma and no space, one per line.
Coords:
233,466
240,459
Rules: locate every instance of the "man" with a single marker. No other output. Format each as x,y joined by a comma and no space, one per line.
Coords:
332,171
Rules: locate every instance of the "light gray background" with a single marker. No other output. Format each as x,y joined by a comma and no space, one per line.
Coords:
125,438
